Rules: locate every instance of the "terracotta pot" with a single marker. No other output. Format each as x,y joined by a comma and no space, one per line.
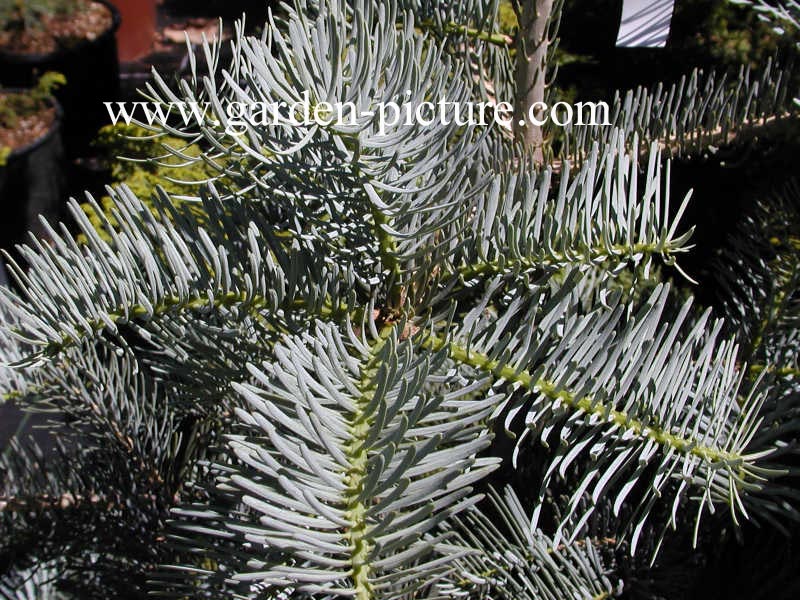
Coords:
138,31
92,71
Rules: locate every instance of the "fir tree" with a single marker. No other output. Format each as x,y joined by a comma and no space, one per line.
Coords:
428,362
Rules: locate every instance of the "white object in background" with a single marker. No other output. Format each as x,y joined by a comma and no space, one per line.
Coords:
645,23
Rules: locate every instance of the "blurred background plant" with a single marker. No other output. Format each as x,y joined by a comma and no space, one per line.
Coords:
336,259
27,14
20,104
16,104
143,163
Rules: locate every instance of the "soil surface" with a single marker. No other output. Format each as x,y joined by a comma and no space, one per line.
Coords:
90,21
28,129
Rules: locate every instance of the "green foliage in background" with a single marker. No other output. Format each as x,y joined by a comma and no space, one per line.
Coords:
143,163
730,34
415,363
16,15
703,32
19,104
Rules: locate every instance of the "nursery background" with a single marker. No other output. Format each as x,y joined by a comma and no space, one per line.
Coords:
415,361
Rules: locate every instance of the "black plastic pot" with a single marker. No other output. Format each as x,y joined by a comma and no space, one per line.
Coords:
92,71
32,184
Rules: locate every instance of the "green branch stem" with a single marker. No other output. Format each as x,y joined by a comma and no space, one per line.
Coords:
755,370
388,252
171,304
591,256
499,39
586,404
357,453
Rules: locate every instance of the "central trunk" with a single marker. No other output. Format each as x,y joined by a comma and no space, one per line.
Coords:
531,71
